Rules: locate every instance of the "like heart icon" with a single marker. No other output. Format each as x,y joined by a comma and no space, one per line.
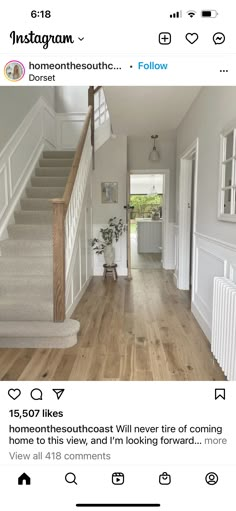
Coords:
14,393
191,37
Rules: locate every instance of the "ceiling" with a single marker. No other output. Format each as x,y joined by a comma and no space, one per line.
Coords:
142,111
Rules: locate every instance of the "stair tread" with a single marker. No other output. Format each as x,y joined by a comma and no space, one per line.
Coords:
19,243
8,301
58,154
25,258
60,162
42,181
50,192
20,310
41,279
52,171
35,204
33,217
34,328
23,247
30,231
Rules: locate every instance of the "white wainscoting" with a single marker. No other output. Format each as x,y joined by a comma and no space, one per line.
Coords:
20,155
81,268
69,127
212,258
120,254
169,259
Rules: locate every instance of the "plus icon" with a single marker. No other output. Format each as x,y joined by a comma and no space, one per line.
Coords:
165,38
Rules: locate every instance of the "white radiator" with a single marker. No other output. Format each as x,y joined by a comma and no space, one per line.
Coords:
223,342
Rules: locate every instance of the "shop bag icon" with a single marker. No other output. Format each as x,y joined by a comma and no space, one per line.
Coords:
164,478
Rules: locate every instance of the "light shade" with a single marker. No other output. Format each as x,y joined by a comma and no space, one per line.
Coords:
154,154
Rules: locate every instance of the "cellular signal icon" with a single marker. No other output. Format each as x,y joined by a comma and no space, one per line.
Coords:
177,14
191,14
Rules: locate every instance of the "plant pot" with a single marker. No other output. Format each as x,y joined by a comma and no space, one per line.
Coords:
109,255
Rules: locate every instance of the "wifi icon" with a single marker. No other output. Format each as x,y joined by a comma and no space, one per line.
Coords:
191,14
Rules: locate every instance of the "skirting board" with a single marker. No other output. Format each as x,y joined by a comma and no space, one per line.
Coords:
201,321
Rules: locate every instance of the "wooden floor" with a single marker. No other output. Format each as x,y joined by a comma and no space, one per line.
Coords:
143,261
138,330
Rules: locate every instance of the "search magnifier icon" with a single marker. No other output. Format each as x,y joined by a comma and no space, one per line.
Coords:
70,478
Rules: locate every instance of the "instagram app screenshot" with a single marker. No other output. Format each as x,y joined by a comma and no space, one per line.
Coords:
117,256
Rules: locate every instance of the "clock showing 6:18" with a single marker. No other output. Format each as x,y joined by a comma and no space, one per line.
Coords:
41,14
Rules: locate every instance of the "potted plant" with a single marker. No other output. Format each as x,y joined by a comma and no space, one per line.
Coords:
104,244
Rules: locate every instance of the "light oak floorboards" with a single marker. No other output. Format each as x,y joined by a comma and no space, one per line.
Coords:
138,330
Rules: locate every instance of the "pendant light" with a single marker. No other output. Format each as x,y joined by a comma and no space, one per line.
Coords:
154,154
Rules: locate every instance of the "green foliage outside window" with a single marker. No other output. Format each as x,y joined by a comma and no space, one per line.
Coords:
144,204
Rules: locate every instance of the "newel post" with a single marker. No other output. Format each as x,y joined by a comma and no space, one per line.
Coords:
58,260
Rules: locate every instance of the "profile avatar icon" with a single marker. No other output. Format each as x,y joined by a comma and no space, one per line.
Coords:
211,478
14,70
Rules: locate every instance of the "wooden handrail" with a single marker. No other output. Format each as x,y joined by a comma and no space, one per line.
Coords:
60,207
91,105
91,93
96,89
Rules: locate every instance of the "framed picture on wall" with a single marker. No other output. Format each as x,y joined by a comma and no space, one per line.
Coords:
109,192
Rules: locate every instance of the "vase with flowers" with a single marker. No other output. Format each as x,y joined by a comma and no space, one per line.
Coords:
109,234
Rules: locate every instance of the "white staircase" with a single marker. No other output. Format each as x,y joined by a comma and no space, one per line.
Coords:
26,263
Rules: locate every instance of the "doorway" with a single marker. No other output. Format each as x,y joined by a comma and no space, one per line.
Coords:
148,218
187,217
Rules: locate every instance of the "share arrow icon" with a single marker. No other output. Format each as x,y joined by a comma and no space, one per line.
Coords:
58,392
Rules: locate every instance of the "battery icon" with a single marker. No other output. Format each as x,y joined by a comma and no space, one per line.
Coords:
209,14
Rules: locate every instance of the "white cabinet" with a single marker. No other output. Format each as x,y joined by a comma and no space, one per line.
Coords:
149,236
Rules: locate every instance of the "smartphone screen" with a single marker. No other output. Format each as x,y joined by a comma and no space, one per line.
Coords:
117,256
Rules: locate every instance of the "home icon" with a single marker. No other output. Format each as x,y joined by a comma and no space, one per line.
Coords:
24,479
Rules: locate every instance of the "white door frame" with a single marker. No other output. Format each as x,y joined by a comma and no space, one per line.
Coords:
165,209
185,182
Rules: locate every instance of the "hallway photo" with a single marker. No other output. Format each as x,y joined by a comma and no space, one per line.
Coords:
117,233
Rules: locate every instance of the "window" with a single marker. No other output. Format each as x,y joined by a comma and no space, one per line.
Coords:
227,195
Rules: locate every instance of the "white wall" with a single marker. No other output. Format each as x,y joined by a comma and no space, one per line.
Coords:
15,103
215,241
138,151
110,165
143,184
214,108
19,157
70,99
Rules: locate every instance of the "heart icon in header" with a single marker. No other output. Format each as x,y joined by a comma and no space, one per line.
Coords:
191,37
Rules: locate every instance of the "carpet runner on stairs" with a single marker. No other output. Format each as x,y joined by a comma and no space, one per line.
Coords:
26,263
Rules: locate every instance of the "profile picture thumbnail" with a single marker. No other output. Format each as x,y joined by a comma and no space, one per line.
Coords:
14,70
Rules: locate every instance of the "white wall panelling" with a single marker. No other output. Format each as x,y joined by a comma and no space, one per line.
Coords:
19,157
80,268
213,258
169,260
69,127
